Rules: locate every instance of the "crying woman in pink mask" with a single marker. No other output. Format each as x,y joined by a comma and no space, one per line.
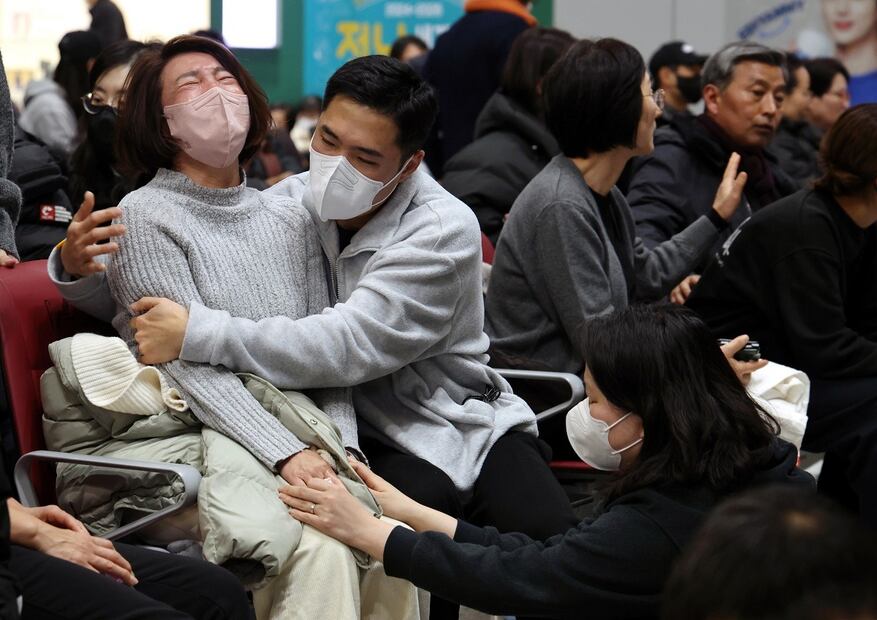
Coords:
191,117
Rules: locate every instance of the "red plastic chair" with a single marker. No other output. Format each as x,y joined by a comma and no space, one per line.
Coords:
32,315
487,250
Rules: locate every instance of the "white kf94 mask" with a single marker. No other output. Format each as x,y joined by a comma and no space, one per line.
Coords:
589,437
339,191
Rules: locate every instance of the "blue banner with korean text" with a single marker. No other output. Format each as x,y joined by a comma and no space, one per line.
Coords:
339,30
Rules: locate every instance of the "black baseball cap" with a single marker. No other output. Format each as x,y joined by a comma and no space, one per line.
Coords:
673,54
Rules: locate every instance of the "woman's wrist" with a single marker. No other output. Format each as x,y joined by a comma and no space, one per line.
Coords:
410,512
430,520
372,537
24,529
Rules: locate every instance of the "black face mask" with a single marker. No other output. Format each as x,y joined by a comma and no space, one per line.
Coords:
101,133
689,87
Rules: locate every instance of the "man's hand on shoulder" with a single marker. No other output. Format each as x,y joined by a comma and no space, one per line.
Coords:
159,329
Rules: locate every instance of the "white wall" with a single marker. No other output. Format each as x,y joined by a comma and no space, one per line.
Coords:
646,24
30,29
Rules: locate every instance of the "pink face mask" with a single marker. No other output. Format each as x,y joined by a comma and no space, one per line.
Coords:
212,127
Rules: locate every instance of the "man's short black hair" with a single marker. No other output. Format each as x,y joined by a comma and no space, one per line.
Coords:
390,87
822,72
593,98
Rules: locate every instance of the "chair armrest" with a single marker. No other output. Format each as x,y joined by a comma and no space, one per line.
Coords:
576,388
189,475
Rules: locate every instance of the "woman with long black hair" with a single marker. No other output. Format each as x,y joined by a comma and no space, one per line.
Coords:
665,410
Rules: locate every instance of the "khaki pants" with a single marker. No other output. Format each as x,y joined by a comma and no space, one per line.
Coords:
322,580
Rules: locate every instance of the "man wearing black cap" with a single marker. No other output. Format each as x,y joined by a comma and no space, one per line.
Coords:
675,67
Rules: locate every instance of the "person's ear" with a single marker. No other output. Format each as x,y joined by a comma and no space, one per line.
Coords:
412,165
712,98
666,78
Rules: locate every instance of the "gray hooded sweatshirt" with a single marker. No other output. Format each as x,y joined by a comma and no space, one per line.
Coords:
48,116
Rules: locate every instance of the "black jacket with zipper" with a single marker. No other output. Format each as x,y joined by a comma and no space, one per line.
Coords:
677,183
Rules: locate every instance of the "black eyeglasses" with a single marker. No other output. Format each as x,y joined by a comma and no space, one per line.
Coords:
93,108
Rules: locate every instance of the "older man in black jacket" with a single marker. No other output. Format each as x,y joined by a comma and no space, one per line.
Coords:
744,87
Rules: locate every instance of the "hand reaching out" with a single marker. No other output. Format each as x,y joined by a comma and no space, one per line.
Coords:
83,234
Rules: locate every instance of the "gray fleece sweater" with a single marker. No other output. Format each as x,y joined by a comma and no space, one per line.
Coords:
556,267
10,195
182,243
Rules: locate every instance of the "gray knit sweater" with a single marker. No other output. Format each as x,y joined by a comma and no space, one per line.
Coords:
185,242
10,196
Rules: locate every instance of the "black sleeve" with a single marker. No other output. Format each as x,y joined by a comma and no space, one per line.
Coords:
613,567
864,298
810,301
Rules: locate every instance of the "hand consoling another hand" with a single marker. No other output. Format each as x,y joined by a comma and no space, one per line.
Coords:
304,466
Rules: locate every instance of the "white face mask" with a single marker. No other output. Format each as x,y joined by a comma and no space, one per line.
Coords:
339,191
589,437
302,132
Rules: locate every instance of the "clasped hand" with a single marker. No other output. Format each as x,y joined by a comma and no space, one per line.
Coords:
327,505
56,533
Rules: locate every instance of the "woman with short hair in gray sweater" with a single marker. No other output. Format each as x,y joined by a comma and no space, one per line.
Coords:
191,117
569,251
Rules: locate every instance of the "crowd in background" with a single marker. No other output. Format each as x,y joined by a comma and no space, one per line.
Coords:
635,212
